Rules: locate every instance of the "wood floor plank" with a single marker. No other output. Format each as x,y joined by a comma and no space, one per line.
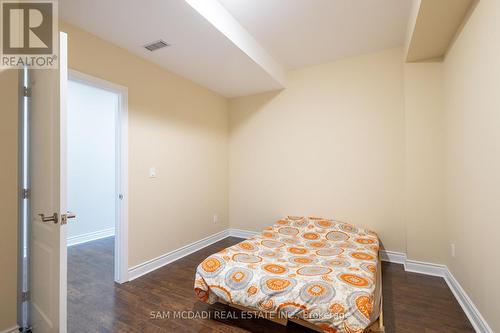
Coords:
412,302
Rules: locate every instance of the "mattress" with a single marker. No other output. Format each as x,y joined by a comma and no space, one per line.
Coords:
316,269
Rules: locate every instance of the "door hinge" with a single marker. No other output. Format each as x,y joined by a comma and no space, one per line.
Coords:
26,91
25,193
25,296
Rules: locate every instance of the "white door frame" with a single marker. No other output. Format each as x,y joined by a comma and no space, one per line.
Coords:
121,200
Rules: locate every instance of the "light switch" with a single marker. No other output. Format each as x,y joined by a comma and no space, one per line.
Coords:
152,172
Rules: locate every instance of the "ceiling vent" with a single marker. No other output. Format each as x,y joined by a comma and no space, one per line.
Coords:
156,45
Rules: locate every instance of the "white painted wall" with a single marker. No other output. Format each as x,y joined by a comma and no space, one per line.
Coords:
91,160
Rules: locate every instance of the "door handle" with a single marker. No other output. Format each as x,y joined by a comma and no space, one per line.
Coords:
65,217
53,218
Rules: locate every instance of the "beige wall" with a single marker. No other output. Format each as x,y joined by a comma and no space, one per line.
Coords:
472,162
410,151
330,144
8,197
176,126
424,202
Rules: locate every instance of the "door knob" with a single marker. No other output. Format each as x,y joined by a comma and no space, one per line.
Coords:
65,217
52,218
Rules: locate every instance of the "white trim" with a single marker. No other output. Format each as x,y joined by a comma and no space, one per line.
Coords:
63,183
121,241
425,268
91,236
475,317
470,309
11,330
121,223
394,257
242,233
87,79
167,258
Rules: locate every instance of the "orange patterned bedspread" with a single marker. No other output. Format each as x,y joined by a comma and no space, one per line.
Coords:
315,269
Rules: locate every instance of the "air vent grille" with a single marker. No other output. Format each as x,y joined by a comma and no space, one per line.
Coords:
156,45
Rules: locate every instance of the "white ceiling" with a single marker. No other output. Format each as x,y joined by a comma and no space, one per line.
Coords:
285,33
198,50
301,33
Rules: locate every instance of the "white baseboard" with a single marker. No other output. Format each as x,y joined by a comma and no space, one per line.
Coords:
475,317
91,236
425,268
11,330
242,233
394,257
167,258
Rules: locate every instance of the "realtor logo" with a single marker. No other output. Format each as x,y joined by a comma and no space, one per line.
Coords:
28,34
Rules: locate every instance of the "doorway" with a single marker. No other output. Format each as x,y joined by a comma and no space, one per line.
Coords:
43,214
97,194
97,170
91,168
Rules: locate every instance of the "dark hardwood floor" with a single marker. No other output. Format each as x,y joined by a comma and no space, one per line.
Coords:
412,302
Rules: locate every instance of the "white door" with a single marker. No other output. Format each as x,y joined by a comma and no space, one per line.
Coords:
47,164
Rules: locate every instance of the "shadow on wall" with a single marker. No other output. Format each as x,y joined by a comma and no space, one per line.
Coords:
256,104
